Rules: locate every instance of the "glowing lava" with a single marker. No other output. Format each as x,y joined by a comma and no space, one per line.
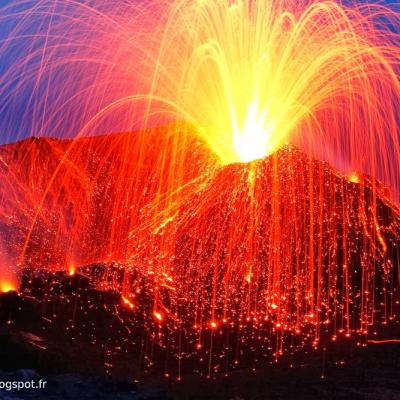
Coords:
256,139
253,75
72,270
7,286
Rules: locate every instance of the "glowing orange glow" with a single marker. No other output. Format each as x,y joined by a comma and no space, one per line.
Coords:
354,178
384,341
6,287
72,270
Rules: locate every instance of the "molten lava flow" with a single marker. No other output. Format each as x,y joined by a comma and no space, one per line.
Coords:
225,207
310,245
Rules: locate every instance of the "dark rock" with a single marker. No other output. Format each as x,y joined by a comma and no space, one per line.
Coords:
126,386
26,375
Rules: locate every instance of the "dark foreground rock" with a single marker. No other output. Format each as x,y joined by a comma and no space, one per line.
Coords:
32,348
371,374
365,374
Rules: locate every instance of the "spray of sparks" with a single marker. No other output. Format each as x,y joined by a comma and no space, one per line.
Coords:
207,209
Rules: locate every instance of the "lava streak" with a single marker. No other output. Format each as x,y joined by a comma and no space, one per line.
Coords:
253,190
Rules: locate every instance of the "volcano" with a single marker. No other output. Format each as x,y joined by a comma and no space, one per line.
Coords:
280,248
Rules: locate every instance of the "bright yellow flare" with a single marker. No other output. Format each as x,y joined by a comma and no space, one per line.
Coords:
255,139
251,76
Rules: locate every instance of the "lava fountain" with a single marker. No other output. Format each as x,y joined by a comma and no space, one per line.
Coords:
178,140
